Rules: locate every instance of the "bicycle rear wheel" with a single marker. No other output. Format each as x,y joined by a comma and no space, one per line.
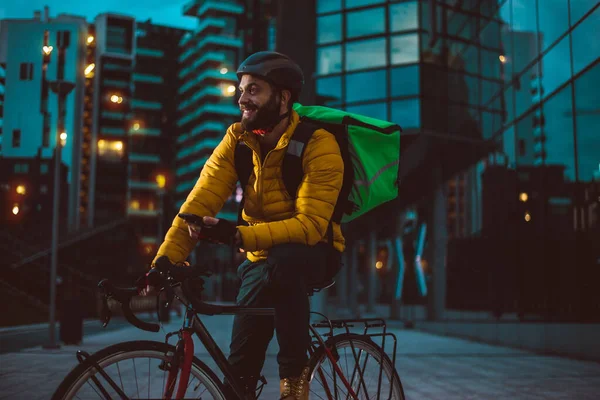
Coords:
360,360
135,369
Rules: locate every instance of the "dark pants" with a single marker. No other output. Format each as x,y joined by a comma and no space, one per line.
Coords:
282,282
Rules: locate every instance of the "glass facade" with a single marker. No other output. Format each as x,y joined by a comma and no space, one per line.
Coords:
520,78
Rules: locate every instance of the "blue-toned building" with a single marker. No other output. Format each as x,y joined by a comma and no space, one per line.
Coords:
30,108
207,102
500,149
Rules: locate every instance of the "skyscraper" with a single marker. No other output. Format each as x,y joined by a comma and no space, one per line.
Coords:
207,105
30,120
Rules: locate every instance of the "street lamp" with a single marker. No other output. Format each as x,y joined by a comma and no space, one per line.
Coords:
62,88
15,209
21,189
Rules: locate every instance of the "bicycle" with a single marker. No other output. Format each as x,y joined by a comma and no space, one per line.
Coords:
106,374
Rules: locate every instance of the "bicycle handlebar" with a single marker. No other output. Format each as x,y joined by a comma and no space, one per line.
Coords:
123,296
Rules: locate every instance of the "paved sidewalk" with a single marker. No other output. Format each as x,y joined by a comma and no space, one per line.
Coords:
430,366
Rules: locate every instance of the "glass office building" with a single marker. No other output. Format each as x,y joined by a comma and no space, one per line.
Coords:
502,98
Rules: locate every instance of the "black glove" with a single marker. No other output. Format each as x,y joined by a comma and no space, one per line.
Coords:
223,232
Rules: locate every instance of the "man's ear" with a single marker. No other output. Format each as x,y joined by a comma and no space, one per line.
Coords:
286,96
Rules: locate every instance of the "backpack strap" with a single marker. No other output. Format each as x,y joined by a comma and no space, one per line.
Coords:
243,167
292,171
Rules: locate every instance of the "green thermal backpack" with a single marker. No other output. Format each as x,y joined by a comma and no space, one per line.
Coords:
370,150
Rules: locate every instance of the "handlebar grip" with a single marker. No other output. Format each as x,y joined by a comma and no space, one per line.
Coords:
135,321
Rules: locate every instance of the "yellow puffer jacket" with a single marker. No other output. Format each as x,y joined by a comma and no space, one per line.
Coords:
274,217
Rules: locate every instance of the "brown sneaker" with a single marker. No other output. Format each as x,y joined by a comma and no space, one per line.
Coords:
295,388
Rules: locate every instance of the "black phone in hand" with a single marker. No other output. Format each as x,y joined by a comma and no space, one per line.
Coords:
191,218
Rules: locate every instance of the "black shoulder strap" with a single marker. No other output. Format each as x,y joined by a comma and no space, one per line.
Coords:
243,166
292,162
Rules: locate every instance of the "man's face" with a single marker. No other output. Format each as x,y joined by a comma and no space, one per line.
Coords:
259,104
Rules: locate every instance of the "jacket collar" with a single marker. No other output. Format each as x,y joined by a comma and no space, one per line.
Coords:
284,140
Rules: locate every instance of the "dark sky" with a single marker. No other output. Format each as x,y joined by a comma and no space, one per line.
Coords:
160,11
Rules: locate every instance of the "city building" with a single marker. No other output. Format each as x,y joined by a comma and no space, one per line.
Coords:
56,46
153,131
478,87
207,95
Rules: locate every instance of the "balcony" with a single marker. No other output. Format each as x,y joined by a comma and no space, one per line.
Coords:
208,22
206,92
202,128
209,56
217,40
132,212
228,110
142,51
145,105
198,147
208,74
147,78
142,185
145,132
196,8
195,166
144,158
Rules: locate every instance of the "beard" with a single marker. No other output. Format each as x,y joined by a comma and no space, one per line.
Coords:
264,117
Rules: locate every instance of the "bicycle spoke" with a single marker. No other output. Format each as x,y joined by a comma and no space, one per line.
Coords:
135,374
148,377
120,377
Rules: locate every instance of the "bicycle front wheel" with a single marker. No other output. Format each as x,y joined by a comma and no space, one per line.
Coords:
135,370
366,369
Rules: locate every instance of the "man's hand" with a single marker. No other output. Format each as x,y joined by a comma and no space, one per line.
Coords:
216,230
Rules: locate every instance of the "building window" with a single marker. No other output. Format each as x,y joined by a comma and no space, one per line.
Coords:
404,16
26,71
364,23
63,38
366,54
329,60
324,6
356,90
329,29
16,138
405,49
43,168
21,168
329,90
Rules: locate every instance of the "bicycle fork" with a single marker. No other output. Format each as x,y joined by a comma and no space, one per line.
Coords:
181,365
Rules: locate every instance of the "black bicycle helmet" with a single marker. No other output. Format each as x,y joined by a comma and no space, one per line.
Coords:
276,68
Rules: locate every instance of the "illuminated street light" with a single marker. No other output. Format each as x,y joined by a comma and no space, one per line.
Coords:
223,70
21,189
63,138
116,99
228,90
136,126
118,145
523,197
527,216
502,58
161,181
378,265
47,50
15,209
90,39
89,69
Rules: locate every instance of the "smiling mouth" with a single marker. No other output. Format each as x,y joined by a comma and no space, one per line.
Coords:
248,112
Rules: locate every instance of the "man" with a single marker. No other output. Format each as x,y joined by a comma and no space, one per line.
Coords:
286,237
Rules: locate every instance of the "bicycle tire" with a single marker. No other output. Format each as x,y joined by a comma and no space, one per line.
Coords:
108,356
366,344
